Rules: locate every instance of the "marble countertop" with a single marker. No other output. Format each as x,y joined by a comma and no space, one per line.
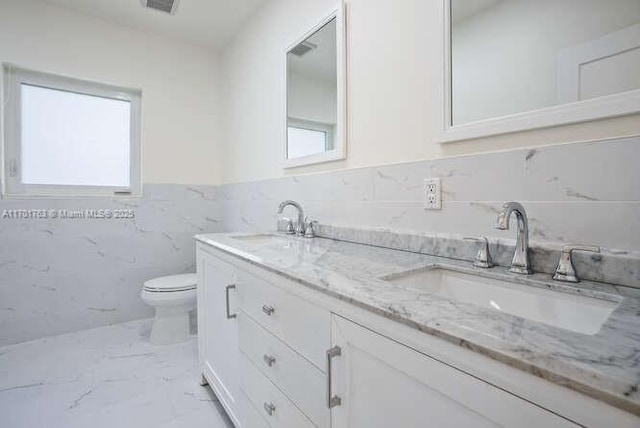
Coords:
605,365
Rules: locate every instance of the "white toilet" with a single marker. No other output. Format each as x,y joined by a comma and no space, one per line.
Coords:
173,297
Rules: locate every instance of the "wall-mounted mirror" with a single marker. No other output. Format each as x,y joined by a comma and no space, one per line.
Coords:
315,123
524,64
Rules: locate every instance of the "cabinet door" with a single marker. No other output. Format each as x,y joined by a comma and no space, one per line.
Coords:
217,333
383,383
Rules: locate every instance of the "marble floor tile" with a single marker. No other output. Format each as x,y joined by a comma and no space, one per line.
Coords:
105,377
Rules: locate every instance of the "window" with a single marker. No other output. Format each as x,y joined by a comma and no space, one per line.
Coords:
306,138
68,137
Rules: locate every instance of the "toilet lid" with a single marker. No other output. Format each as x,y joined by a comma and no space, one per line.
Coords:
186,281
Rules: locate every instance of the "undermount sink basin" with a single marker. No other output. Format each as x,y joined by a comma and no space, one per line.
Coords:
569,311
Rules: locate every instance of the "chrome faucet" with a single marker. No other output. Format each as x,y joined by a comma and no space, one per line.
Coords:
520,263
300,226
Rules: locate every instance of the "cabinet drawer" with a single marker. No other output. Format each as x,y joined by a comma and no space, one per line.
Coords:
304,383
274,406
302,325
250,417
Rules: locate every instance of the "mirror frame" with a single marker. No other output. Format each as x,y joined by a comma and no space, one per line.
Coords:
607,106
340,135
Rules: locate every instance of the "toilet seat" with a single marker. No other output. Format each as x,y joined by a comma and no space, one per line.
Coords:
164,284
172,298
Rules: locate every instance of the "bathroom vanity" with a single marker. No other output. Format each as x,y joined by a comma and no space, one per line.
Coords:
297,332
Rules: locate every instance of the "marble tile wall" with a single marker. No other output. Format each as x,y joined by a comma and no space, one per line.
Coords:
574,193
61,275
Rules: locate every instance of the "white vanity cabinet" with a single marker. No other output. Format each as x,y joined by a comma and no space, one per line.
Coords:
382,383
282,355
218,329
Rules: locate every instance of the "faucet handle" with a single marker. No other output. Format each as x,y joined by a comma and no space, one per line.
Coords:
483,258
580,247
288,226
565,270
290,229
308,228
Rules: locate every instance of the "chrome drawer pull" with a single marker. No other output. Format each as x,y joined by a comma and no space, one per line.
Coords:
332,400
269,310
269,408
269,360
226,296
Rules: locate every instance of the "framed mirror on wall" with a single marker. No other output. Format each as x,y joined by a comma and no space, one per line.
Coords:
516,65
315,113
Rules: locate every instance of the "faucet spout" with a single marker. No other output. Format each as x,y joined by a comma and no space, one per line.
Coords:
297,206
520,263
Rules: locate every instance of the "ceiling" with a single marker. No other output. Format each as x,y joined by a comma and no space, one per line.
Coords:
210,23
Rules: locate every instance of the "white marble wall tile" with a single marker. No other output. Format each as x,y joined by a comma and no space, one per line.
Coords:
275,190
403,182
547,221
251,215
242,191
62,275
489,177
612,225
584,192
178,192
349,185
465,218
201,192
587,172
162,192
229,192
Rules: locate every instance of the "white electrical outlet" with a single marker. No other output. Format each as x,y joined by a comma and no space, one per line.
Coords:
432,194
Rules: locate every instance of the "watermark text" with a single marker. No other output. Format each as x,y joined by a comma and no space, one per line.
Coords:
42,214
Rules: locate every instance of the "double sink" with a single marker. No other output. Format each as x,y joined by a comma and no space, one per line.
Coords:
526,297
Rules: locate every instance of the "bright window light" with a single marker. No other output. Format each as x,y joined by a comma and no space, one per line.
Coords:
69,137
305,142
74,139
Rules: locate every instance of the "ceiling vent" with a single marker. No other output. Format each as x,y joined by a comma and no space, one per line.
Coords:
303,48
167,6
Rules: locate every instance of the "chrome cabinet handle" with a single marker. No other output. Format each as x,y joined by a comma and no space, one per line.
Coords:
226,296
270,408
269,310
269,360
332,400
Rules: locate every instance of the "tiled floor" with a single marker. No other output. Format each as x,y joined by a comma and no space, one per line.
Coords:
105,377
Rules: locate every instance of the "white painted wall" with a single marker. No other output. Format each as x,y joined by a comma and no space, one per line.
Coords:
394,90
518,41
180,83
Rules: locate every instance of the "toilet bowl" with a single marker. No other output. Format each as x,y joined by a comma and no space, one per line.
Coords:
173,297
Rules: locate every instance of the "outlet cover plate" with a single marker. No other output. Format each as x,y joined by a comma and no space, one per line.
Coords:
432,194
